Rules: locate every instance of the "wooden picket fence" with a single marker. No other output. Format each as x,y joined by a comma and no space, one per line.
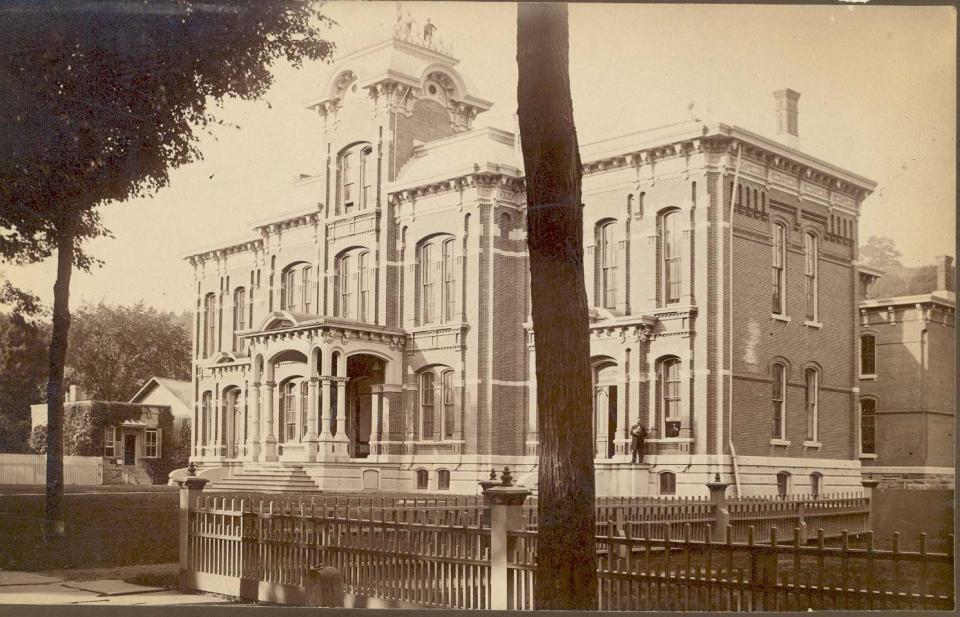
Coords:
441,552
32,469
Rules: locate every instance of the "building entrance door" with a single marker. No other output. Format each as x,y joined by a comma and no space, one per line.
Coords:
129,449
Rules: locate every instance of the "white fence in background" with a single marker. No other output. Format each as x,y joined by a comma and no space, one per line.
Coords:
32,469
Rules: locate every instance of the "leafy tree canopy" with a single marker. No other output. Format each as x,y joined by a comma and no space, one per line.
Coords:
114,350
880,252
23,366
100,99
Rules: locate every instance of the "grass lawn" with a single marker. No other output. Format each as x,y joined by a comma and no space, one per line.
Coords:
102,530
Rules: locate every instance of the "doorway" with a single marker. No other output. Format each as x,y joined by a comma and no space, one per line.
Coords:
129,449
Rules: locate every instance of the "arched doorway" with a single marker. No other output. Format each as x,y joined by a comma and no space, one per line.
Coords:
605,408
364,372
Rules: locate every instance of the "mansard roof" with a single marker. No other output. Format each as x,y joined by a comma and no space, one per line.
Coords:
481,150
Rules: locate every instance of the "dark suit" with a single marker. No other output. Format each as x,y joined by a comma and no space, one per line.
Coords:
637,437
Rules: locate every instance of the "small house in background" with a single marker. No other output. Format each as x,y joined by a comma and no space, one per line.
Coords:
907,377
139,441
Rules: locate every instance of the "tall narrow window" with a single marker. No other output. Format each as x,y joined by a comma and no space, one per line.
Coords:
868,426
343,286
426,405
816,483
670,243
423,478
288,400
448,417
443,480
779,261
608,265
449,278
108,441
346,171
206,421
668,381
362,290
239,317
779,388
307,285
288,291
366,179
810,251
812,401
427,283
209,325
868,355
783,483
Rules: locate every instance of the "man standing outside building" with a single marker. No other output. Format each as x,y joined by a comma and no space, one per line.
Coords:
638,433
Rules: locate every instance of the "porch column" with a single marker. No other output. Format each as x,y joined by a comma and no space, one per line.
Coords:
601,407
341,437
385,421
325,434
376,420
269,440
311,437
253,439
620,438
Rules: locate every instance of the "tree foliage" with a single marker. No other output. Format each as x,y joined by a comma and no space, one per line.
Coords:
880,252
23,367
114,350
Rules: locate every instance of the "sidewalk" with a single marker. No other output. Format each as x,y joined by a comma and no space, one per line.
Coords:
47,588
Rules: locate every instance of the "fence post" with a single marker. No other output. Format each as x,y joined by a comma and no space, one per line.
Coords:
190,488
505,502
801,521
721,514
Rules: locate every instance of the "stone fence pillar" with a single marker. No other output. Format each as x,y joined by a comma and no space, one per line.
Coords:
190,489
721,514
506,514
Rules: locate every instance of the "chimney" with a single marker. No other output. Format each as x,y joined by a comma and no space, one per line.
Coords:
945,273
788,124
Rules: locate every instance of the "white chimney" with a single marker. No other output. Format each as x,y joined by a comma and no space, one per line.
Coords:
788,122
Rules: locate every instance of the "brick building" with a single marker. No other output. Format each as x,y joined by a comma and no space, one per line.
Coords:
907,385
378,337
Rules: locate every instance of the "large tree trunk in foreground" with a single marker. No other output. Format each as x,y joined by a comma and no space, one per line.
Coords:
53,524
566,552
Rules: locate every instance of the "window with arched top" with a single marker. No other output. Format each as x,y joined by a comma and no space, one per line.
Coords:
356,174
812,402
783,483
423,479
209,324
206,419
239,317
297,289
811,273
293,405
668,483
778,396
868,426
816,483
669,396
437,276
606,264
443,480
437,403
352,285
779,268
671,256
868,355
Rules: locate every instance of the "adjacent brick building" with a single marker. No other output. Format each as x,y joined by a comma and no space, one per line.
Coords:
378,337
907,385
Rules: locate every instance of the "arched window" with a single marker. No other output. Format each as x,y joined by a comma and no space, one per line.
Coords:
779,379
443,480
783,483
436,272
607,264
427,404
437,403
779,268
288,409
423,479
209,325
816,483
296,288
812,402
668,396
448,419
356,178
868,355
868,426
234,418
668,483
239,317
670,274
352,285
810,271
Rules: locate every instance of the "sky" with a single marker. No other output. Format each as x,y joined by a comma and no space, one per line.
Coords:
878,97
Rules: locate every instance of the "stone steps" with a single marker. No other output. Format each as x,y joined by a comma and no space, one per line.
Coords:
272,479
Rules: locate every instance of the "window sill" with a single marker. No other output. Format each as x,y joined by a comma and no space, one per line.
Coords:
872,457
871,377
778,317
813,444
779,442
813,324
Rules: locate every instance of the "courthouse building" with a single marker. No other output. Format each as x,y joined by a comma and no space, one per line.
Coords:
377,336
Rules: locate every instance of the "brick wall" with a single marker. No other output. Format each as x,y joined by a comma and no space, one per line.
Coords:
428,122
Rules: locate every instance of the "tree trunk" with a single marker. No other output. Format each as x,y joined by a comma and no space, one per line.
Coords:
566,550
53,516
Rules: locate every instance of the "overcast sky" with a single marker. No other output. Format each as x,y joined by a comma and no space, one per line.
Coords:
878,97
